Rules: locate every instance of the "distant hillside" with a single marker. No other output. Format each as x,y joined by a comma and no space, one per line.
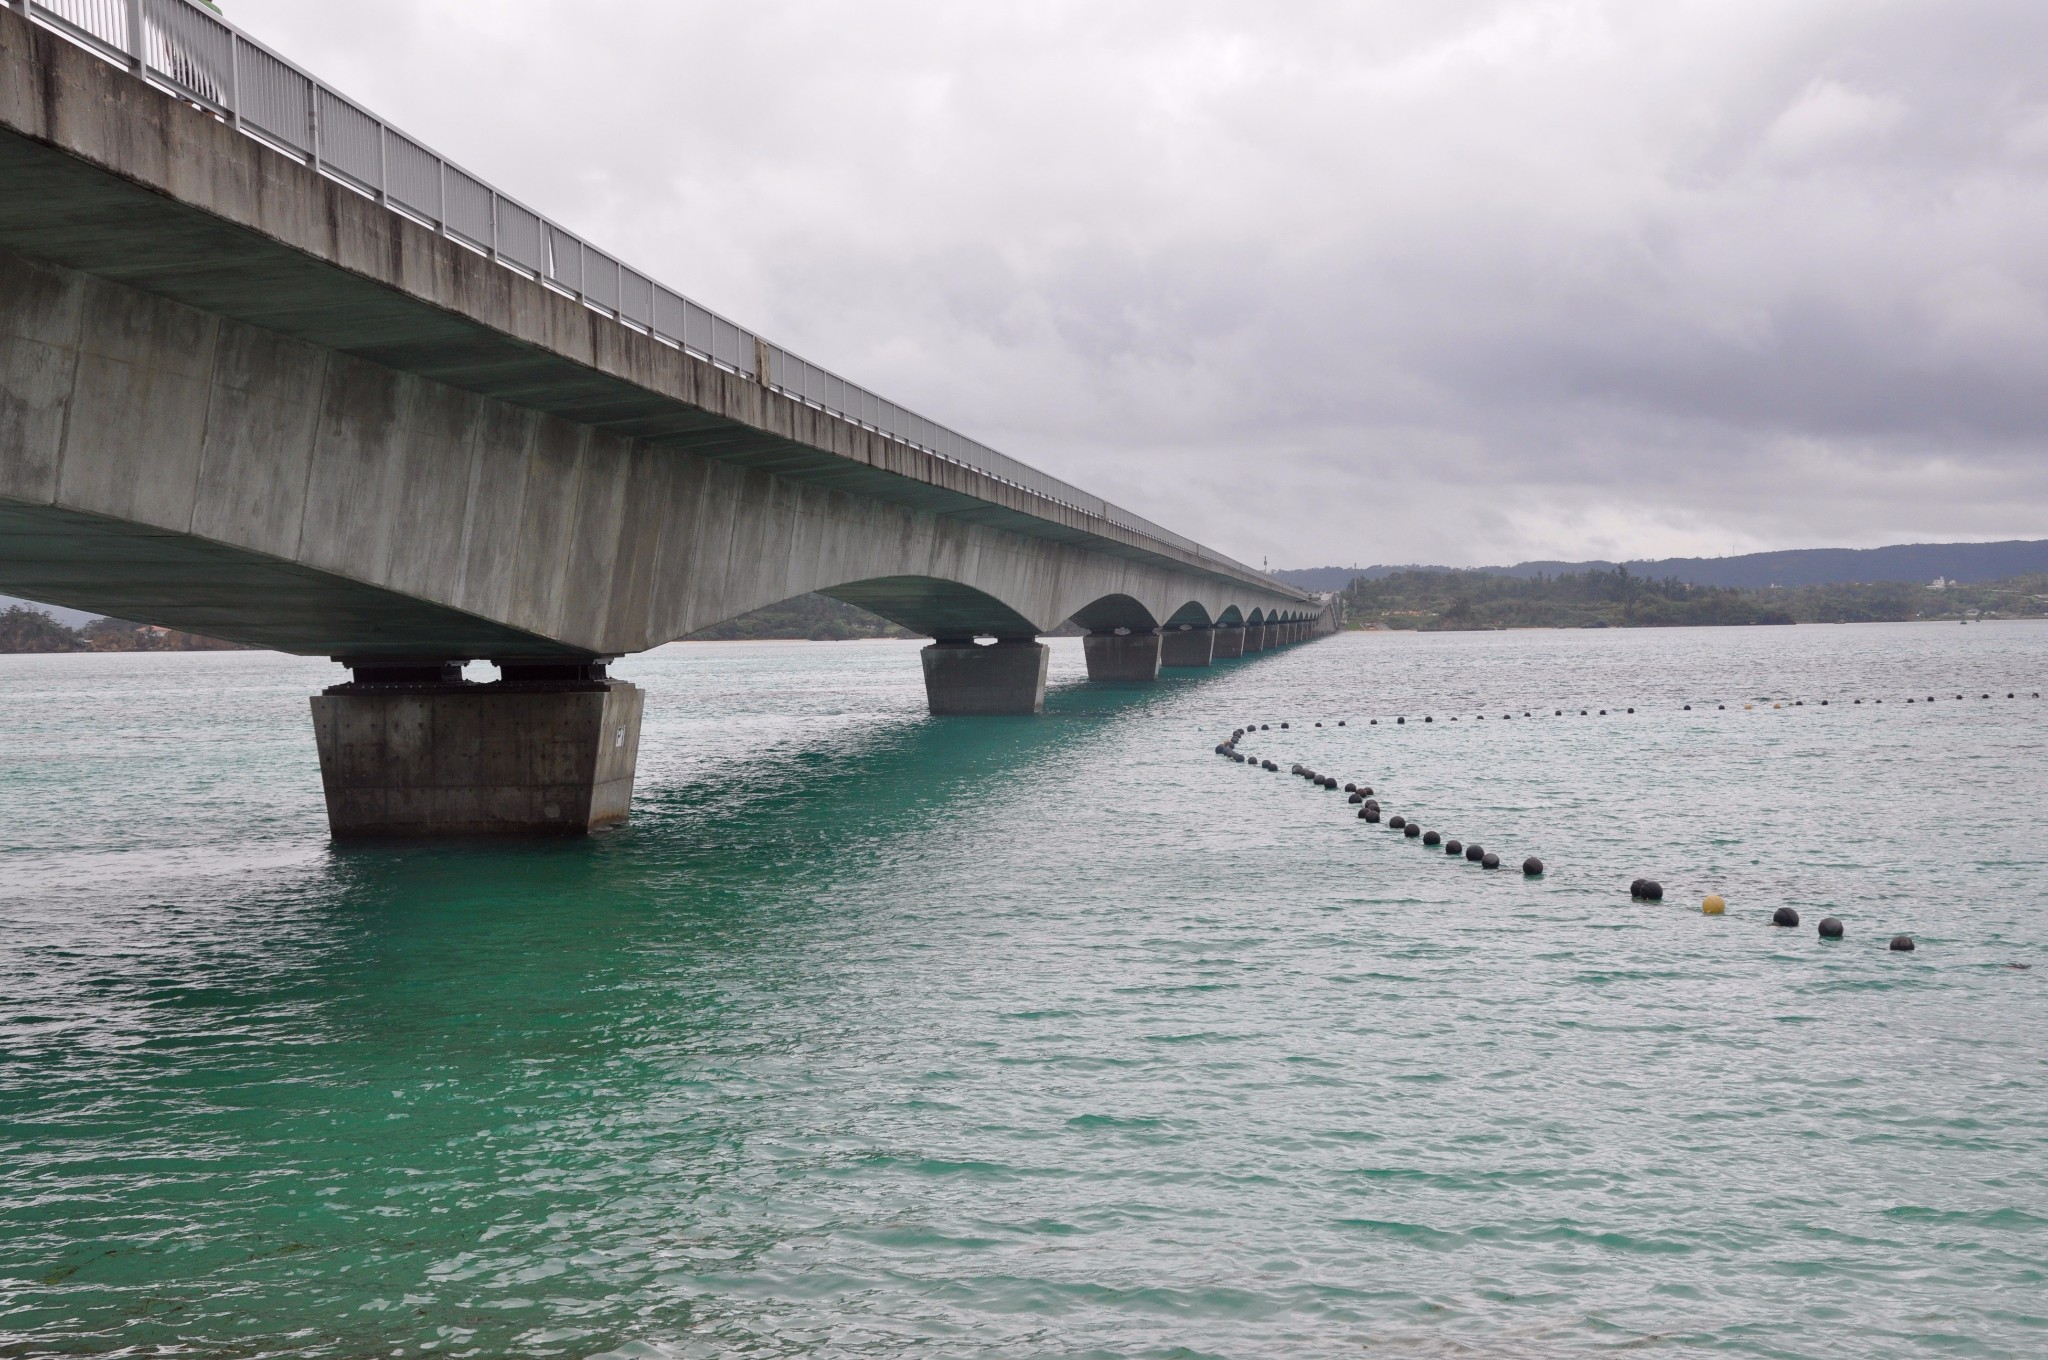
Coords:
1915,562
1461,600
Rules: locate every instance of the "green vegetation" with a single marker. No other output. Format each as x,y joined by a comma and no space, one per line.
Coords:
812,617
1459,600
31,630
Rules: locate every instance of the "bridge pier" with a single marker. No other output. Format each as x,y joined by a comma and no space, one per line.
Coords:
1187,646
963,679
1122,656
1254,638
411,749
1229,642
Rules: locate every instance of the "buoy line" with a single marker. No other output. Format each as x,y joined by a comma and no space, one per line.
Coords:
1641,889
1746,705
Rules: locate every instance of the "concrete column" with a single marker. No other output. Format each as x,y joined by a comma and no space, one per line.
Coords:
1187,646
1008,677
1122,656
1254,638
1229,643
416,751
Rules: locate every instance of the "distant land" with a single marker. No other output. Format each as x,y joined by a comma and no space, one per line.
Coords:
1458,601
1915,562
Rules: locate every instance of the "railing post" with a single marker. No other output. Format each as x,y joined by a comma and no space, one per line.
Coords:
138,43
383,172
234,80
494,223
441,194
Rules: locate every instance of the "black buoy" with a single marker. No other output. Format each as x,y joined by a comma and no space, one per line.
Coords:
1294,768
1653,891
1688,708
1823,703
1427,718
1830,928
1721,707
1532,866
1271,766
1396,822
1372,722
1784,916
1454,847
1264,726
1340,722
1631,710
1902,943
1489,860
1635,887
1411,830
1399,722
1318,724
1558,714
1283,727
1351,788
1369,814
1365,789
1356,798
1431,838
1603,712
1582,713
1236,757
1475,852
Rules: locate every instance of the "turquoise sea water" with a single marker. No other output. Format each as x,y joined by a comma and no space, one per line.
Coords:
875,1033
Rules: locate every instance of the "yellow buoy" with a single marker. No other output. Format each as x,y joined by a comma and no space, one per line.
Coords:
1713,906
1777,705
1747,707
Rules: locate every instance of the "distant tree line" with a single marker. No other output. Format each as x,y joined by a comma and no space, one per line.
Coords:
1463,600
31,630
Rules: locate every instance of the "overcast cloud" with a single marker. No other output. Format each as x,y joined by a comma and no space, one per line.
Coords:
1430,280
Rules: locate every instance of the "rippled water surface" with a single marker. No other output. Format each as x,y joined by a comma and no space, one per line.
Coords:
879,1033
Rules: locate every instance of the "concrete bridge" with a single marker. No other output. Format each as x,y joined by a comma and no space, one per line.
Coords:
273,371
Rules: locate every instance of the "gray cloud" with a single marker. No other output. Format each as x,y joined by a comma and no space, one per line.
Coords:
1458,281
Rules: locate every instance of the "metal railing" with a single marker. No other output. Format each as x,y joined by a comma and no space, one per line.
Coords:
195,54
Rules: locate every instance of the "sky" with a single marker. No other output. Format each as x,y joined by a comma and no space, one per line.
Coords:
1445,281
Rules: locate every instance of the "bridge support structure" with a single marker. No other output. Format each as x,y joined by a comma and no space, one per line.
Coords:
964,679
1229,643
1125,655
1188,645
412,749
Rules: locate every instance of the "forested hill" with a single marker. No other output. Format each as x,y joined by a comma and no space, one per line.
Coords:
1916,562
1460,600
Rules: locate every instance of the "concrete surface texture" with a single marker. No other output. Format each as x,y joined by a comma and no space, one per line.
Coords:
963,679
239,398
1187,646
458,760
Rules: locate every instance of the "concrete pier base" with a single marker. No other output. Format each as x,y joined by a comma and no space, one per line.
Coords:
421,755
1229,643
1122,656
1187,647
1254,638
961,678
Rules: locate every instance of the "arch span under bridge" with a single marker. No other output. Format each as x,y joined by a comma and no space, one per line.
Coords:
255,388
